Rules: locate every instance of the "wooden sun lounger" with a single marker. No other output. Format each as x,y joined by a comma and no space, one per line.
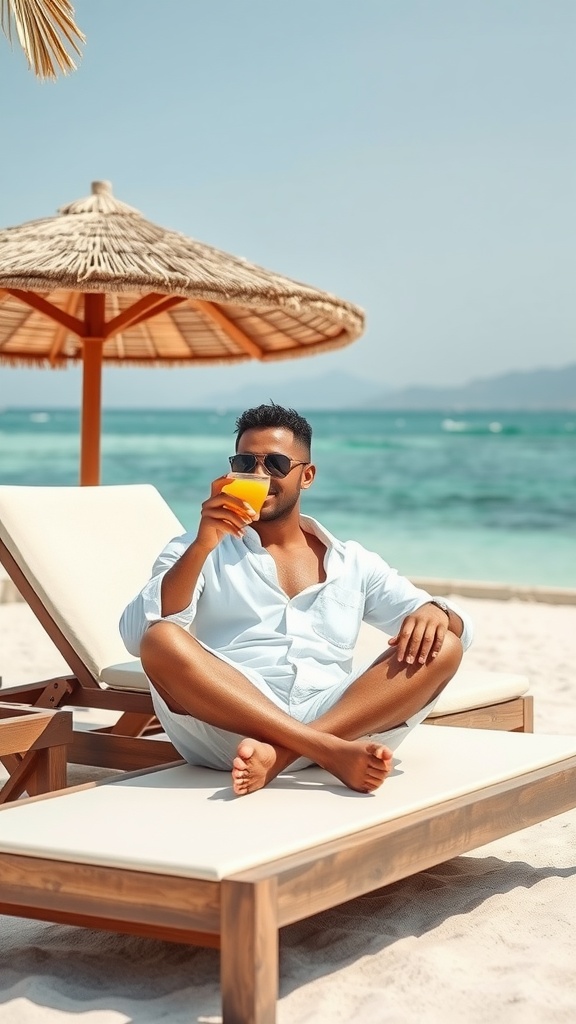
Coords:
230,872
78,555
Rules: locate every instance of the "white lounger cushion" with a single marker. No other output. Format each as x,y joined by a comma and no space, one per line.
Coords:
476,689
185,821
88,550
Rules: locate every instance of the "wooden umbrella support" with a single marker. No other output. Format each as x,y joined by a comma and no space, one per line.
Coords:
92,349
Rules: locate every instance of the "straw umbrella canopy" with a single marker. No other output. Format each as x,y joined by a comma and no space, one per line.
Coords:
101,284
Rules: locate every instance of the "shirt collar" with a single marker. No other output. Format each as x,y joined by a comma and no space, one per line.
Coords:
334,547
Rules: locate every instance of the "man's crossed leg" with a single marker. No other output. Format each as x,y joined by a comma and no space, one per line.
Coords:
192,681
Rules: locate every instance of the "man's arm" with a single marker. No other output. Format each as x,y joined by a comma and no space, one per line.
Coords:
146,606
177,573
419,622
217,520
180,581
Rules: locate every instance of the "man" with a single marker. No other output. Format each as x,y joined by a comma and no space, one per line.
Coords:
246,631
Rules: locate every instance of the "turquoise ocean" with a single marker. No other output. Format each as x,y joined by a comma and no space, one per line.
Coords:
485,496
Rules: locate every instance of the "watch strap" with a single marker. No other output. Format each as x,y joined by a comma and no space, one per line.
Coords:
442,605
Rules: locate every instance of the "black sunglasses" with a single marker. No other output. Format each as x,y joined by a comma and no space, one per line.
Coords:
274,463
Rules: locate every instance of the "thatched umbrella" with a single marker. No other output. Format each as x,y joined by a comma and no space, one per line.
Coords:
44,29
100,283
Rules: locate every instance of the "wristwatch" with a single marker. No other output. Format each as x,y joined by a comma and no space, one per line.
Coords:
441,604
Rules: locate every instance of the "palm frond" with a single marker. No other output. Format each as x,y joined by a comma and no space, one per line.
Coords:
43,27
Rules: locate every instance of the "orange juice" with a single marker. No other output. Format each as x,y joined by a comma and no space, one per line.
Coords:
250,487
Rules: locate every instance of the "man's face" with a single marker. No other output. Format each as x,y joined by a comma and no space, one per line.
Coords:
284,492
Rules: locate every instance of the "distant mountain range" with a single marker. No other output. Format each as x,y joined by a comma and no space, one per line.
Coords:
530,390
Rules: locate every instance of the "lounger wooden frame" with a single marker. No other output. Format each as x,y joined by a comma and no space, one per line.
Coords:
242,914
123,745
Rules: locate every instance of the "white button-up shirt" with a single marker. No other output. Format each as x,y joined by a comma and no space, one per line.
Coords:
301,645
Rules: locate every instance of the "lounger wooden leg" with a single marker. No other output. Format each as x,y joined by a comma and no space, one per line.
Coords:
528,715
49,771
249,952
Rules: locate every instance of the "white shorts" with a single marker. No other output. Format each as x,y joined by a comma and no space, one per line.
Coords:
211,747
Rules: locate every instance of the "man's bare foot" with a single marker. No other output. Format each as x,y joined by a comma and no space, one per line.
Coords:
360,764
255,765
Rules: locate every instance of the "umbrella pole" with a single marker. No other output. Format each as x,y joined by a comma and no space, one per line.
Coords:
93,344
91,411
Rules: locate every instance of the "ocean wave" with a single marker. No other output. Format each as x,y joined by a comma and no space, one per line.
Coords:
451,426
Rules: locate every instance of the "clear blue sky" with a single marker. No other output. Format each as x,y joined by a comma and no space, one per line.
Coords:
415,157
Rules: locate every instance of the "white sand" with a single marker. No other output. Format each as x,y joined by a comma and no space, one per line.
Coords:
485,938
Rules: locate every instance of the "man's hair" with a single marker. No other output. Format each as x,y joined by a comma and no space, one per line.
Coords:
272,415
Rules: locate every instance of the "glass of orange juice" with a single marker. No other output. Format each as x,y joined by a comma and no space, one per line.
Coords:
250,487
